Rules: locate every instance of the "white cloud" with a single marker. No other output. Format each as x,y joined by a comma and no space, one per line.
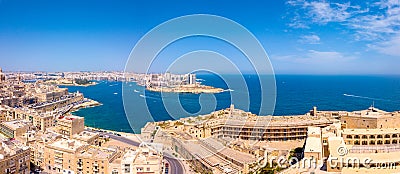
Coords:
313,61
321,12
389,47
369,23
378,23
310,39
316,57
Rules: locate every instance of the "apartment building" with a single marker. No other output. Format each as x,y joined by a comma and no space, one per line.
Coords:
61,155
140,161
14,157
38,146
96,160
14,129
70,125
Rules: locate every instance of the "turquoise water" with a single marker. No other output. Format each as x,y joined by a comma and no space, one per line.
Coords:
296,94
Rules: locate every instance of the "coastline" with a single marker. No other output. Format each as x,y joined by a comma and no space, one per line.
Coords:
89,103
126,134
65,82
74,84
195,89
291,100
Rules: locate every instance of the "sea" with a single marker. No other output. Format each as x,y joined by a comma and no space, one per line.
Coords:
293,95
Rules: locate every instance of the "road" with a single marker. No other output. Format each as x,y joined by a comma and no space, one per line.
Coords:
122,139
175,166
116,137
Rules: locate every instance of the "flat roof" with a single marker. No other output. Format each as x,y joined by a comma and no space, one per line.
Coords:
85,135
334,144
67,144
14,124
313,144
98,153
238,156
314,130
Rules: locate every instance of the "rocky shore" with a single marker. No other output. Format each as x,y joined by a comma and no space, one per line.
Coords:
86,104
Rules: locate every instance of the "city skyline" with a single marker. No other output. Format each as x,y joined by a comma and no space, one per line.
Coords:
199,87
300,37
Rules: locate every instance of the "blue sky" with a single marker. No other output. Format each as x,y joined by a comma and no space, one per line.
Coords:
300,37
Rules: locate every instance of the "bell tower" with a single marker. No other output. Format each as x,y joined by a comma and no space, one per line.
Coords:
2,76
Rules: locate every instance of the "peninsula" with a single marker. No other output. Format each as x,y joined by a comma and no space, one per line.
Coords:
70,82
178,83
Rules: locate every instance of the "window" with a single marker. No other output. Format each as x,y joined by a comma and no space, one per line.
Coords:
127,168
372,142
372,136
